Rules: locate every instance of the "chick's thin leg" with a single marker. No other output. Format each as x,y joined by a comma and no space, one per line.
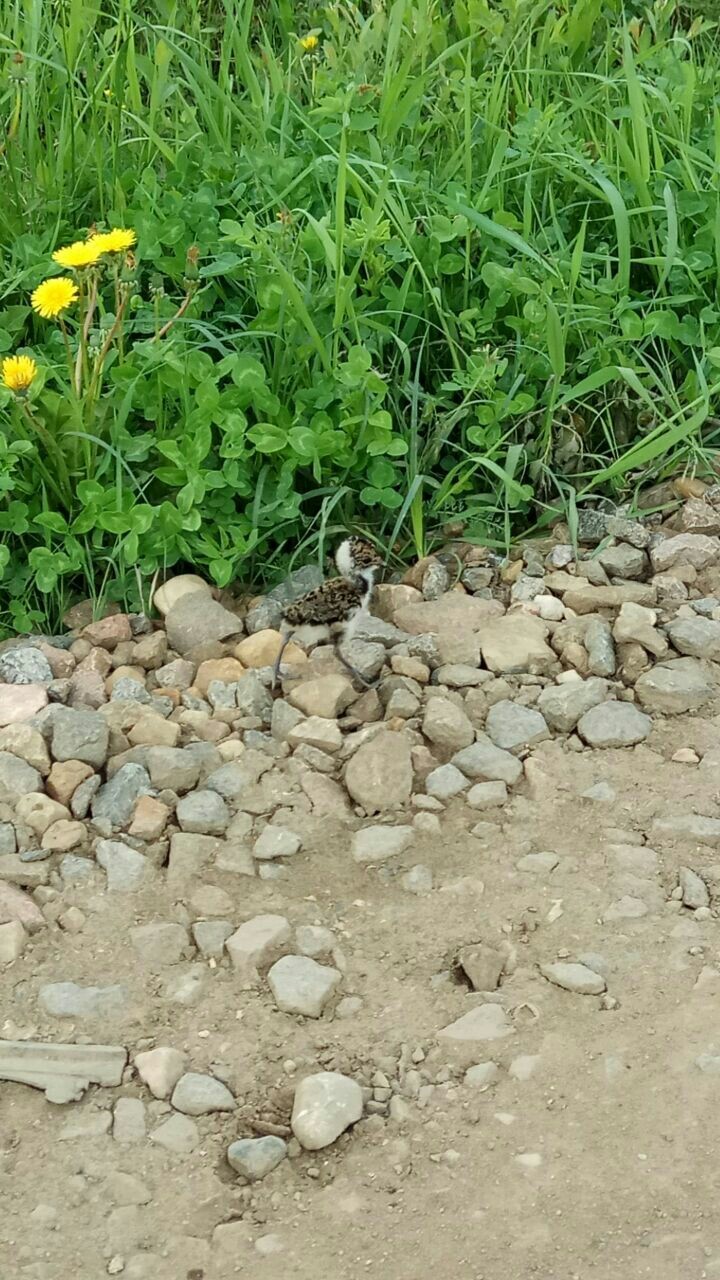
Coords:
276,669
353,670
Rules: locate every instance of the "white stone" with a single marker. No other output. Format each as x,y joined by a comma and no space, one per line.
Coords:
325,1105
160,1069
301,985
196,1094
256,943
574,977
276,842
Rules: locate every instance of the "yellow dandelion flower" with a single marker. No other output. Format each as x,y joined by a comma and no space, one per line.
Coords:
83,253
309,44
18,373
52,297
118,240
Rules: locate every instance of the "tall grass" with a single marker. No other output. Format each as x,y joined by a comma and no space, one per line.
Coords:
472,249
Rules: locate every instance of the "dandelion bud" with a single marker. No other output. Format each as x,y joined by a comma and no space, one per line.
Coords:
191,262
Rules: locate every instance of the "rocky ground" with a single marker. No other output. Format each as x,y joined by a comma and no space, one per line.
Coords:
421,978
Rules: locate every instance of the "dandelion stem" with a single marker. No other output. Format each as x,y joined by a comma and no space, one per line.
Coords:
178,314
68,352
81,362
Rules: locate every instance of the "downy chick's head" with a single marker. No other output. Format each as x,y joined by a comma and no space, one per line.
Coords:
356,558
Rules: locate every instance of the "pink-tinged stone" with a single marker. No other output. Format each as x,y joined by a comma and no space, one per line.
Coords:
16,905
109,632
20,702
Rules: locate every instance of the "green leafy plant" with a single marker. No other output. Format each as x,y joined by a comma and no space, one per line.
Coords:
454,264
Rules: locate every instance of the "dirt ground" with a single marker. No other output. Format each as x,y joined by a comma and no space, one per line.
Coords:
602,1164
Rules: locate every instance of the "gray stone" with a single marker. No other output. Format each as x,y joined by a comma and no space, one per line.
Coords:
691,826
199,1095
598,641
403,703
601,792
82,796
538,863
624,561
325,1105
128,1120
638,860
255,1158
301,985
116,800
8,839
574,977
487,795
173,768
485,762
478,579
377,844
85,1125
482,1075
631,531
459,675
61,1067
626,908
24,666
674,687
17,778
186,987
436,581
210,937
179,1134
276,842
562,705
161,944
696,549
379,775
68,1000
203,813
447,726
284,719
365,656
125,1188
483,1022
126,869
418,879
482,965
445,781
314,940
126,689
591,526
196,618
708,1063
79,735
253,699
614,724
696,637
513,727
75,870
694,890
706,605
255,944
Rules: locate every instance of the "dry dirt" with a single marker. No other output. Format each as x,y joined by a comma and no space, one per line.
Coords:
622,1125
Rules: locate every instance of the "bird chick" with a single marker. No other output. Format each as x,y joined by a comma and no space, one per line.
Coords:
333,610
